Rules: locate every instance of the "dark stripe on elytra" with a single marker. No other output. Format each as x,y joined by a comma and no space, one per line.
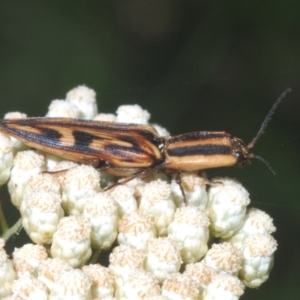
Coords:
84,139
198,135
209,149
46,133
52,134
48,137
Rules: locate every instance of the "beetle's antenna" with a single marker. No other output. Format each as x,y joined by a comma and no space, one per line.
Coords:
266,120
264,162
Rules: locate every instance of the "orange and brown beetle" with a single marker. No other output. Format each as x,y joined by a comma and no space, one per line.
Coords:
133,150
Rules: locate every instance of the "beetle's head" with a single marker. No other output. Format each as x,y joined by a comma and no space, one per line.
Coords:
243,157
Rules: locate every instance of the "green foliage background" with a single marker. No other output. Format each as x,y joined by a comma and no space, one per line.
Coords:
195,65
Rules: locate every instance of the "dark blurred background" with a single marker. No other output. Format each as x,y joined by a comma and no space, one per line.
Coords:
195,65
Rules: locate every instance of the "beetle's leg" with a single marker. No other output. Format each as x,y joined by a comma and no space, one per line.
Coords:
140,174
178,181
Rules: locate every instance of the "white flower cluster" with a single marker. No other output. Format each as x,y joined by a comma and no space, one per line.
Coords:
210,247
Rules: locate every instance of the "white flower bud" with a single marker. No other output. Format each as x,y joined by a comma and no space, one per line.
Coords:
7,273
62,109
40,182
6,158
102,281
27,259
28,287
190,228
224,257
161,130
225,287
85,99
135,229
124,197
200,272
123,261
26,164
71,242
78,183
258,259
163,258
51,160
105,117
138,285
181,286
41,212
156,200
15,115
101,211
51,269
59,170
72,285
132,114
256,221
226,207
194,188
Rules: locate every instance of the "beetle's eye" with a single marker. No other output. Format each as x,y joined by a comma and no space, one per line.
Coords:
239,155
241,158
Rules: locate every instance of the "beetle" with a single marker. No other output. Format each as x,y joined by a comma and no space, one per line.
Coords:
133,150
